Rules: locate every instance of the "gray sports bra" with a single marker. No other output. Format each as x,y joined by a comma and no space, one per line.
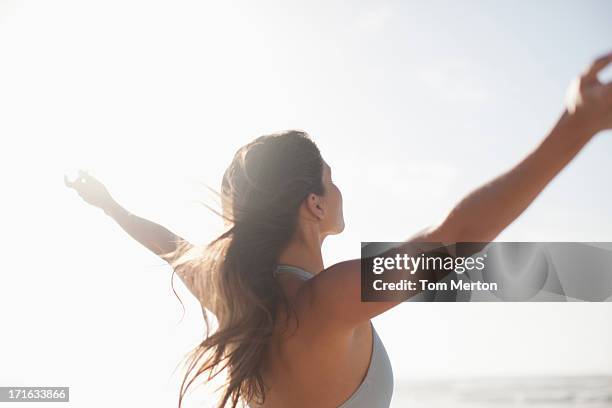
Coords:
377,387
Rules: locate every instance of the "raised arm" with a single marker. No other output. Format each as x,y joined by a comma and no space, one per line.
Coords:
488,210
336,292
155,237
484,213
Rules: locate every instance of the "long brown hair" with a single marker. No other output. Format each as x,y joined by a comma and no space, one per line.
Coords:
261,193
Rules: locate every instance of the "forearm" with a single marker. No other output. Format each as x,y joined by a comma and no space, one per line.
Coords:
485,212
155,237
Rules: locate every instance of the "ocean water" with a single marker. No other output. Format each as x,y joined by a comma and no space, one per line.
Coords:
542,392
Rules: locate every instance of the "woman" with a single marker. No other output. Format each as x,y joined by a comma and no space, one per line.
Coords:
292,333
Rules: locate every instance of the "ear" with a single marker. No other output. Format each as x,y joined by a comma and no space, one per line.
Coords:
314,203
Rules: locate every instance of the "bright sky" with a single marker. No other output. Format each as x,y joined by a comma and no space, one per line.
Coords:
413,104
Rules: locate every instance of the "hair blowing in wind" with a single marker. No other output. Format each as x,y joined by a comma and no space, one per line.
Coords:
261,193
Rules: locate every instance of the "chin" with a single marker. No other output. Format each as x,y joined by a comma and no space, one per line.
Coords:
341,228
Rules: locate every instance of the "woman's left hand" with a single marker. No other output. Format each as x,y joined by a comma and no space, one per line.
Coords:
588,100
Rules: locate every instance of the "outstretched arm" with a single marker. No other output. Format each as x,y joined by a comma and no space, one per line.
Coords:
485,212
155,237
482,214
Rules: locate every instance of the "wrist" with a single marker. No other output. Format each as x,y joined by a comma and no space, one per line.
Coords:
113,209
578,125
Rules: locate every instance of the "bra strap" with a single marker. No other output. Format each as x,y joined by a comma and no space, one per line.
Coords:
294,270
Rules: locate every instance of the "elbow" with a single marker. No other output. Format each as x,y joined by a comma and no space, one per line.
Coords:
458,228
475,233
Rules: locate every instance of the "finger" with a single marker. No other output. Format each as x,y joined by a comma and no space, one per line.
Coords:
83,175
67,182
598,65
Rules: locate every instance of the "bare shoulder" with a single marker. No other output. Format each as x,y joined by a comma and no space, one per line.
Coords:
331,301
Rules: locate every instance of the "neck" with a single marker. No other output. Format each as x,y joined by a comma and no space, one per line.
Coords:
304,250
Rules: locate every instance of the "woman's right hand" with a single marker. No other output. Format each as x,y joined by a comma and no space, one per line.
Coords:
91,190
588,100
